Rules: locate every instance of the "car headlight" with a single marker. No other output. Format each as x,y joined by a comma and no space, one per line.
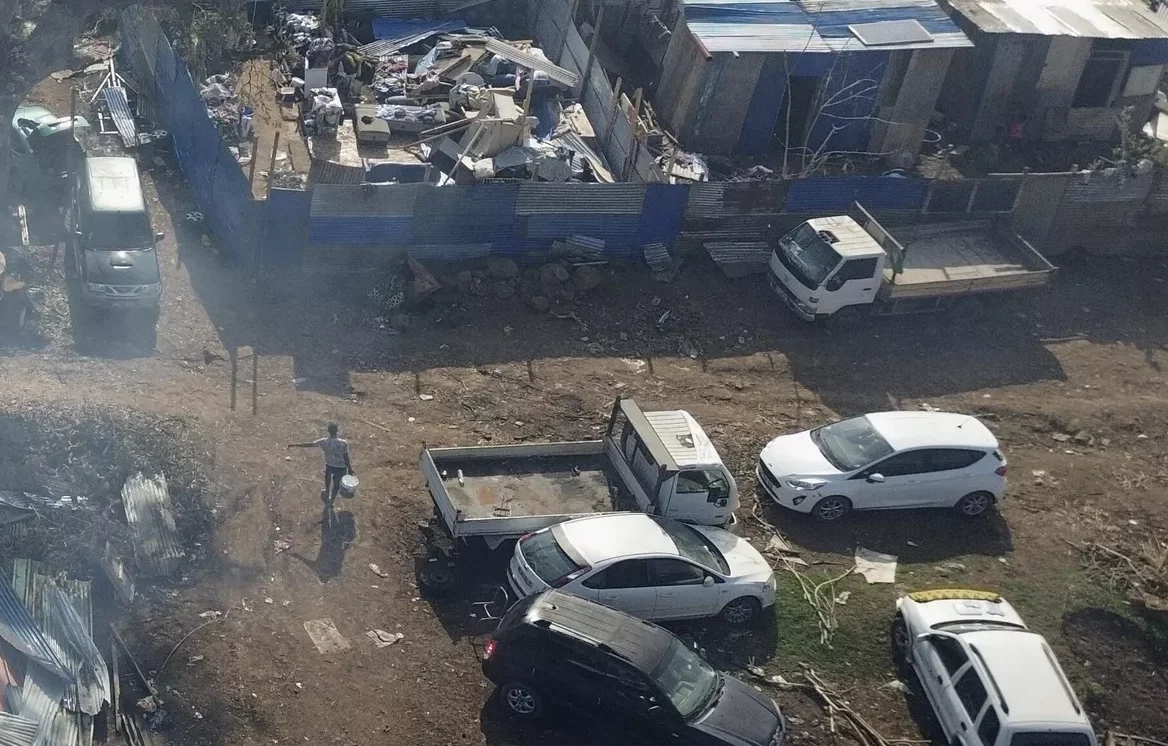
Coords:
772,583
95,287
806,485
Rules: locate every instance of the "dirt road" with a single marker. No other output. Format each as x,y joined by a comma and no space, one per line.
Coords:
1071,380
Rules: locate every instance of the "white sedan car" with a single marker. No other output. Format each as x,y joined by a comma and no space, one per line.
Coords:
886,460
651,567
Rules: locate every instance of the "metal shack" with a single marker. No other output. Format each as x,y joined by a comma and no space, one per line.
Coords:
1053,69
805,76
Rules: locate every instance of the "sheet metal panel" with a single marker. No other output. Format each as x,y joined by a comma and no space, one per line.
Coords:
1100,188
1100,19
336,200
663,213
705,200
360,231
758,128
17,731
41,698
286,227
619,233
20,630
587,199
119,109
466,216
530,61
836,194
149,514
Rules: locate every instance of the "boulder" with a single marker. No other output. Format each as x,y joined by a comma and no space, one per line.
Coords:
504,290
553,274
587,278
538,303
501,268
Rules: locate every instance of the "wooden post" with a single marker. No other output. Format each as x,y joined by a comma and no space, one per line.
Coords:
272,163
234,355
255,381
587,77
634,122
255,156
616,93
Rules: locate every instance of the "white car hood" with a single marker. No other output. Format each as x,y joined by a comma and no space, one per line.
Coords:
932,613
746,563
795,456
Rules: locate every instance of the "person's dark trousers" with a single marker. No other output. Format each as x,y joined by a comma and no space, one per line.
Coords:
332,480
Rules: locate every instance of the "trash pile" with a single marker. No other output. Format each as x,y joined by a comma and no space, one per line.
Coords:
219,96
475,106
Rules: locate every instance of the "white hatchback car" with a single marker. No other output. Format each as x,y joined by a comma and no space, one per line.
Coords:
886,460
651,567
990,680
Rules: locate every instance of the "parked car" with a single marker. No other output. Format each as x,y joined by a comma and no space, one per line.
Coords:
886,460
41,145
555,649
648,566
111,246
990,680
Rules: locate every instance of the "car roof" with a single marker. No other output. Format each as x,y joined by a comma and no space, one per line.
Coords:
114,185
38,114
637,641
608,536
907,430
1026,676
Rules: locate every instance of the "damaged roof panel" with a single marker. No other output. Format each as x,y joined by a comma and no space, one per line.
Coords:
20,630
814,25
16,730
393,34
531,61
148,511
41,700
1094,19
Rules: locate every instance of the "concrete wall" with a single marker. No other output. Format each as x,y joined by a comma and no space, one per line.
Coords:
725,97
683,72
901,126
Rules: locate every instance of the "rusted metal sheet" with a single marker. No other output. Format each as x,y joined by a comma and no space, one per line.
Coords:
148,511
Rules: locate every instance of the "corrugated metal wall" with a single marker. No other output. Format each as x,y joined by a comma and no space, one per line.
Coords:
285,227
215,178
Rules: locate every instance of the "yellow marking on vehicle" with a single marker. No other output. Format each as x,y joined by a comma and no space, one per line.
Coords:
955,594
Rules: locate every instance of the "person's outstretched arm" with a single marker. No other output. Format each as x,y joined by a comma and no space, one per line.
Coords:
311,444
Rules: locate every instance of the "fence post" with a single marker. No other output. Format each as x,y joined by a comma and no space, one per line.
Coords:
587,78
616,93
634,120
569,23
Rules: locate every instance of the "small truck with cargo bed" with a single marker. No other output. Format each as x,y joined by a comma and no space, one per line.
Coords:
661,463
846,266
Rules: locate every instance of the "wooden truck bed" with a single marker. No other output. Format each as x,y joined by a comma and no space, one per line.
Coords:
964,257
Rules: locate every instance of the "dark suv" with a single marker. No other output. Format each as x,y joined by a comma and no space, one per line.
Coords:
556,649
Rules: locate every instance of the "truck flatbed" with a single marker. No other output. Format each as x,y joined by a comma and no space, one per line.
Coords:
526,485
963,257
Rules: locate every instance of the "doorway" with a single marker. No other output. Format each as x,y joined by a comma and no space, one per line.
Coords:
796,110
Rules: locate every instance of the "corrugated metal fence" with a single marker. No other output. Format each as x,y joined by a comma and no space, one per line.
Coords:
214,176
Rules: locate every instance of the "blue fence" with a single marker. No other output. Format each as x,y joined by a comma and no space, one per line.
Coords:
215,178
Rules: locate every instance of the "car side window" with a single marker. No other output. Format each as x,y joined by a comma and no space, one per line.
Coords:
624,675
627,574
950,653
900,465
703,481
857,269
988,728
948,459
675,572
971,692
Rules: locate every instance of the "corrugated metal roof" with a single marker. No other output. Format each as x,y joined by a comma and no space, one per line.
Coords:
17,731
813,25
64,611
705,200
41,699
20,630
386,200
393,34
119,108
147,505
1096,19
531,61
739,258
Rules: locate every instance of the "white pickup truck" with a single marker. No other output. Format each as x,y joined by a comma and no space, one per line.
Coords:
656,462
849,265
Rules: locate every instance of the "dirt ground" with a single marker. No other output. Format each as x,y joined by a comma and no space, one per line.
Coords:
1084,359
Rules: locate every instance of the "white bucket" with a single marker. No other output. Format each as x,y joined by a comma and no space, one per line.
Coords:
349,485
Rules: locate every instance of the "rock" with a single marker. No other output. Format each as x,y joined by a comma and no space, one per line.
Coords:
568,292
1083,437
501,268
401,321
538,303
587,278
1060,437
465,281
553,274
504,290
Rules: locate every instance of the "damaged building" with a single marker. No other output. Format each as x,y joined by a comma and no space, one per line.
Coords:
843,76
1046,70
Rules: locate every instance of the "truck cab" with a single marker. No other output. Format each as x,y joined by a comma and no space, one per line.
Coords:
669,465
825,265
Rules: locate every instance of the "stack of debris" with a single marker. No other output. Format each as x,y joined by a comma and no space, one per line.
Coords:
219,96
53,678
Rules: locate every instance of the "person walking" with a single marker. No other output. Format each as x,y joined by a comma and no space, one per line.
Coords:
336,460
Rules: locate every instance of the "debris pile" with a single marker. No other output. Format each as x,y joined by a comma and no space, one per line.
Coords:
219,96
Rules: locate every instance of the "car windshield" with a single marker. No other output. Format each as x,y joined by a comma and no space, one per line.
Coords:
807,256
118,230
850,444
1050,738
693,545
686,679
543,553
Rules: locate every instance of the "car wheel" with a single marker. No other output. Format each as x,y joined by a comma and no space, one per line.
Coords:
898,634
974,504
521,700
832,508
741,611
